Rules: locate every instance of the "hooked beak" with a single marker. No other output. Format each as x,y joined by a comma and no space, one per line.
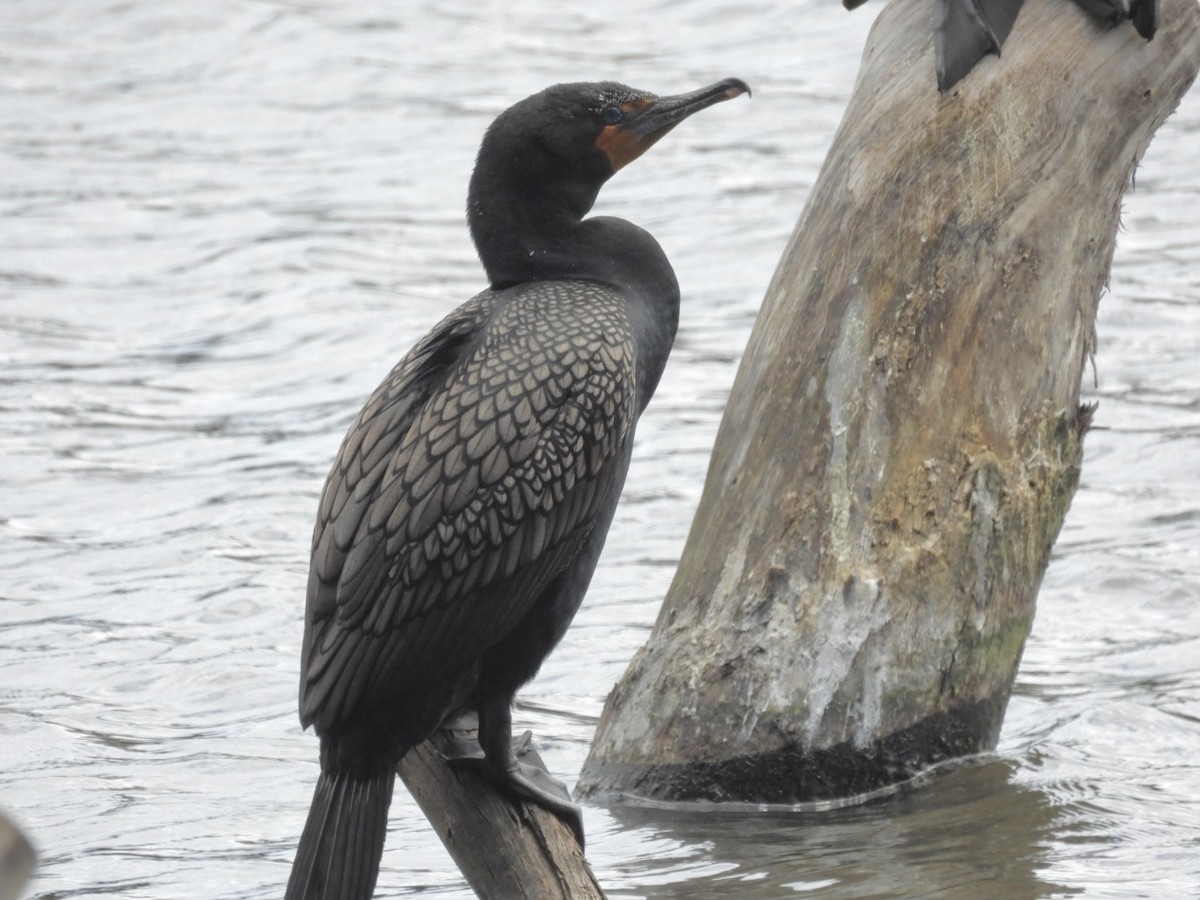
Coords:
649,119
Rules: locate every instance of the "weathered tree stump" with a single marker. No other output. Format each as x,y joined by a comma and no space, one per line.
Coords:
506,850
904,435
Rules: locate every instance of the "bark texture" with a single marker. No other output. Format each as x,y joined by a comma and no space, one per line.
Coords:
904,435
506,850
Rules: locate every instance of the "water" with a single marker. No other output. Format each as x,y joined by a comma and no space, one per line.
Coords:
221,223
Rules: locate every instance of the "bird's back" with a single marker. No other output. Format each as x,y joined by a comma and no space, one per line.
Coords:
468,482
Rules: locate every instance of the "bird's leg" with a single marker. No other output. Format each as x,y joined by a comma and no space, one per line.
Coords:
461,736
498,760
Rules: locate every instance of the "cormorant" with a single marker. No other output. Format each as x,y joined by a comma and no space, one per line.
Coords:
468,504
965,31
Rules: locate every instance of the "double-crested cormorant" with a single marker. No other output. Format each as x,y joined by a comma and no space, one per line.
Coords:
466,509
965,31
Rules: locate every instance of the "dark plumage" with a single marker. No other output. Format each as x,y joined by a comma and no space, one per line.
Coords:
467,507
965,31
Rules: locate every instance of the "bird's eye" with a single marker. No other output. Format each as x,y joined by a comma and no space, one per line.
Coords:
612,115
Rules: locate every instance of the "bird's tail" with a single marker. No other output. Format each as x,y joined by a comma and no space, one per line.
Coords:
339,852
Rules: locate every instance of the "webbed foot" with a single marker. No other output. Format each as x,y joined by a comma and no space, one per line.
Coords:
965,31
502,762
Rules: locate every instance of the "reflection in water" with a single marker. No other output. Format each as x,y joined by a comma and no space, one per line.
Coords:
221,224
973,832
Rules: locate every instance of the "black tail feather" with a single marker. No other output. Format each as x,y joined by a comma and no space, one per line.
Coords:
339,852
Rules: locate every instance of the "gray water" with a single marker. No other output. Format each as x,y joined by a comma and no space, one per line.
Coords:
222,222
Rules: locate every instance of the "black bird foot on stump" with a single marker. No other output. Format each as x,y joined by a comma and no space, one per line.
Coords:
524,780
965,31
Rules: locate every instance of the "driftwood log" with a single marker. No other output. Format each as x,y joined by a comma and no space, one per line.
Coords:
904,435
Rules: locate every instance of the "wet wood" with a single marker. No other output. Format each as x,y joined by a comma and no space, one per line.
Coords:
905,433
505,849
17,860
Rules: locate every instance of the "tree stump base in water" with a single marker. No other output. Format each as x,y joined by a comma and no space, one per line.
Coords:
904,435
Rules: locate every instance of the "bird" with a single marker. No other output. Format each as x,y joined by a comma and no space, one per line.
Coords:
965,31
466,509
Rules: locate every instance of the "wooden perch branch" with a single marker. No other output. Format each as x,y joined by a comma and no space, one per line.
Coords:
507,850
17,860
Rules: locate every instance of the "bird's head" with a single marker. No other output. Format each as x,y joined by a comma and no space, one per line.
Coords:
563,143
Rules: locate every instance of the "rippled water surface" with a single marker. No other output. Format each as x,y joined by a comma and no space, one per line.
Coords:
221,223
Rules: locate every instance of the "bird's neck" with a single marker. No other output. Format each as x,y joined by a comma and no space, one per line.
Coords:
522,239
521,242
